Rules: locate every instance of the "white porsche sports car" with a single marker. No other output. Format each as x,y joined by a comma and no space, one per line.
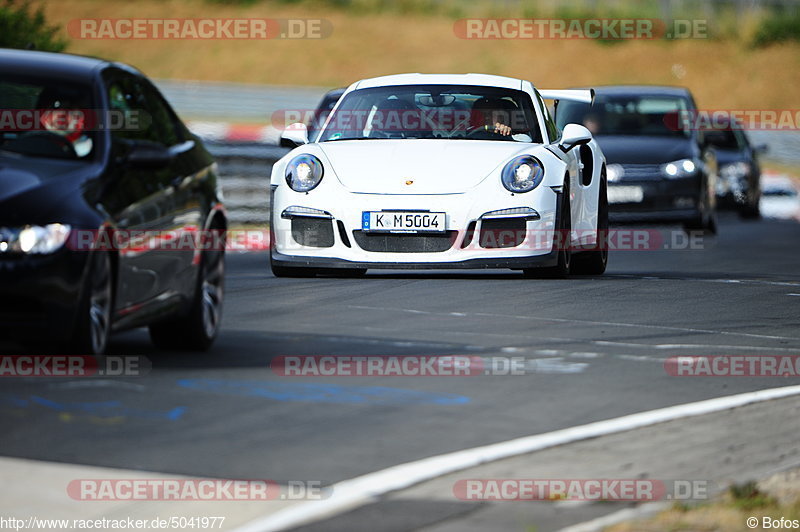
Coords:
441,171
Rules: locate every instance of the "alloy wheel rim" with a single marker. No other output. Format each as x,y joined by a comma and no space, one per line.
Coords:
100,305
212,292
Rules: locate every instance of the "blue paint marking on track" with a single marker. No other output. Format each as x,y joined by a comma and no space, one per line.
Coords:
322,393
100,409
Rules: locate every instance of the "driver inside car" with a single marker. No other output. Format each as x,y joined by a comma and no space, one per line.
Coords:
490,117
64,118
490,114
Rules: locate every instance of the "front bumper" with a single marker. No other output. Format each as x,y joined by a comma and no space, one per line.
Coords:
40,295
470,241
663,200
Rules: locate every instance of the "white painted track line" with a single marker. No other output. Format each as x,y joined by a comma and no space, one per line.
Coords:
350,494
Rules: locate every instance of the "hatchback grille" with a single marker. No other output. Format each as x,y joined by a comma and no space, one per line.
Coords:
641,171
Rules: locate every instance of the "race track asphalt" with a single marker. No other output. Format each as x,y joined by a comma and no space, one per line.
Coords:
595,349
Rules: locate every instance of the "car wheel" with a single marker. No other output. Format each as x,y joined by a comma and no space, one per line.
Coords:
561,239
594,261
94,311
750,211
707,225
198,329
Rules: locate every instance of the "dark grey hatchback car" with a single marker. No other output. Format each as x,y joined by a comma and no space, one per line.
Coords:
99,180
659,169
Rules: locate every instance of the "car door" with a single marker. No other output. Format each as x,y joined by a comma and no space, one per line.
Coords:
139,201
186,218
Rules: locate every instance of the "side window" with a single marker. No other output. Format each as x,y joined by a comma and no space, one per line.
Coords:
163,120
145,116
552,130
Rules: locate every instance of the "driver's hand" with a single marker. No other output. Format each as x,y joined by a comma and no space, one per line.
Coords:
502,129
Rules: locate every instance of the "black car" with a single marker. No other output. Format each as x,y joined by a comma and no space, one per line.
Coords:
322,111
94,210
658,169
739,184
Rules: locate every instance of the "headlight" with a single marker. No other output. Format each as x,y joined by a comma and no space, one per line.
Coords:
522,174
614,172
304,172
677,169
735,170
34,239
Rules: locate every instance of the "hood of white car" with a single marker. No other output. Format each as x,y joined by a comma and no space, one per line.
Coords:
416,166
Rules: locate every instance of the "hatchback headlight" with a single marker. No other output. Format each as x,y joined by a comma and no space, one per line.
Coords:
304,172
522,174
34,239
681,168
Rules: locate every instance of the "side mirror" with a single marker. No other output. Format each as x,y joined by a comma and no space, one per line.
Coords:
148,155
295,135
761,148
574,135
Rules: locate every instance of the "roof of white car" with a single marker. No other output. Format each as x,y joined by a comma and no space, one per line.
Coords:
441,79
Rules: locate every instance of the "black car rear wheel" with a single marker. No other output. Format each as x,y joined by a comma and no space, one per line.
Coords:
198,329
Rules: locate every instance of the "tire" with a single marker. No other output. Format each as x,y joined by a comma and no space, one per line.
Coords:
198,329
750,211
595,261
563,227
93,326
707,225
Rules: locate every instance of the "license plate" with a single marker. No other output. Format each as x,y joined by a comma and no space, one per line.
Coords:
625,194
395,221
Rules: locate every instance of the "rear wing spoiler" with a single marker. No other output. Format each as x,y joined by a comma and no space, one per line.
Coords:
572,95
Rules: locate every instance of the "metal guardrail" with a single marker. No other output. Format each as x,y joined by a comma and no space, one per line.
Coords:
244,171
236,102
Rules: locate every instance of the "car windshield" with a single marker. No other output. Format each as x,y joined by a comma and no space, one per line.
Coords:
47,118
651,115
434,112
